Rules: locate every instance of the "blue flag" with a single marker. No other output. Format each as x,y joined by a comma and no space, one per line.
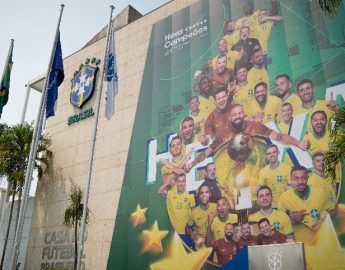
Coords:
56,77
111,77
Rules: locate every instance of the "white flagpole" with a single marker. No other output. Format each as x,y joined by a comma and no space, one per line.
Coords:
33,152
92,150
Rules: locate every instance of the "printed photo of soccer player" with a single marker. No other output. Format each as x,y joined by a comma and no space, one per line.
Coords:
267,235
226,247
246,239
307,206
196,227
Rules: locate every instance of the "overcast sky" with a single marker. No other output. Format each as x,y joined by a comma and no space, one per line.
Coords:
32,24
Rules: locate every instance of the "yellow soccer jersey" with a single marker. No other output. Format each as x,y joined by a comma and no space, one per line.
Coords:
232,39
199,218
217,226
244,95
232,57
276,179
318,144
278,220
175,163
317,205
317,180
264,30
295,102
256,75
270,110
320,105
251,21
283,128
179,206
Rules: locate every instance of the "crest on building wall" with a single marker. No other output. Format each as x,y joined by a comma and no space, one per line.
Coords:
84,82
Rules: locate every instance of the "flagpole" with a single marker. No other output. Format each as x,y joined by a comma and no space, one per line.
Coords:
92,150
7,58
2,78
33,151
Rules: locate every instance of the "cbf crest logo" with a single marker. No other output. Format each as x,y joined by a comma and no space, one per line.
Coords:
83,83
274,260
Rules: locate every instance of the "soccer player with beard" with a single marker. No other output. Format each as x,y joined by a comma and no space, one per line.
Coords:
225,248
305,91
221,75
232,56
197,224
246,239
187,131
307,206
230,34
254,129
269,236
258,72
319,138
283,90
215,227
264,108
236,125
279,220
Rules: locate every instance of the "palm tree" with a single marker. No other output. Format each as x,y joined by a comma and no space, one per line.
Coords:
330,7
15,144
74,213
336,154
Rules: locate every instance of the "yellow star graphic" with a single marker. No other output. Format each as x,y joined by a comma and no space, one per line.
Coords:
138,216
152,238
179,259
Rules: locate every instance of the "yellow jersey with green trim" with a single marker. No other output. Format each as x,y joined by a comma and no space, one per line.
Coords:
320,105
244,95
232,39
217,226
317,180
179,206
199,218
279,221
256,75
205,108
176,163
232,57
270,110
295,102
263,31
251,21
317,204
283,128
319,144
276,179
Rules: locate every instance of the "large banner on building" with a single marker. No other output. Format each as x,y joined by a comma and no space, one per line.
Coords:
231,128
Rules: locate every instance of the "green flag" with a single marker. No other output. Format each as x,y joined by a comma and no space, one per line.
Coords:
5,80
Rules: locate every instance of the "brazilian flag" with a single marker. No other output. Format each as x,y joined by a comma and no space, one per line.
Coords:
5,80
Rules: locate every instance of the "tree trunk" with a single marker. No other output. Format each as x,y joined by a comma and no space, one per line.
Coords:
7,234
75,244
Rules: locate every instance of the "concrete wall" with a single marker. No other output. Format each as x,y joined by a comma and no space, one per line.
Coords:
48,242
25,236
